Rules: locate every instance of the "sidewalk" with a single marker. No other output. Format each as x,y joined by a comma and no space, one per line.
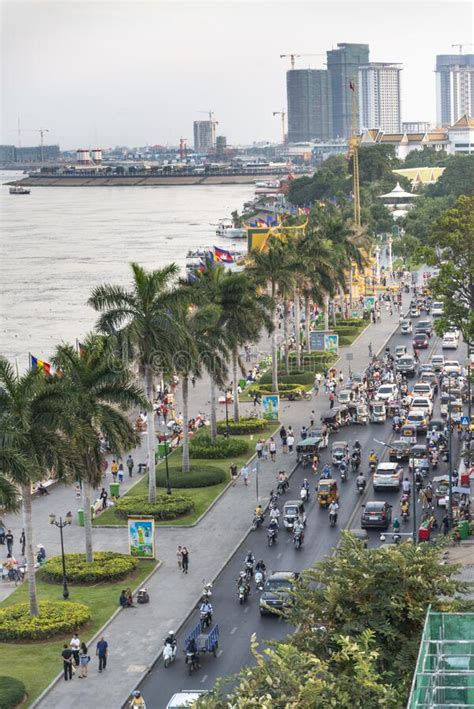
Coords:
135,637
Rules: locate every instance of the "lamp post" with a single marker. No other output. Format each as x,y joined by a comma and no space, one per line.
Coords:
61,524
226,414
168,483
450,454
411,464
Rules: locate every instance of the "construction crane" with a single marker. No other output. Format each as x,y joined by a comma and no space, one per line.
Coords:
183,150
293,57
41,131
281,113
213,125
465,44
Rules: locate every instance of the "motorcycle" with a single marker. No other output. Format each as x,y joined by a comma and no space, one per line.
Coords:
273,499
304,494
259,580
361,486
282,487
243,593
249,570
396,426
404,513
372,466
272,535
169,654
298,538
207,591
355,463
206,619
343,471
257,521
332,518
191,661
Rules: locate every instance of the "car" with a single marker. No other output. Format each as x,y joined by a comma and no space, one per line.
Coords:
425,326
422,389
185,698
421,341
417,418
399,450
437,362
400,351
275,594
376,514
386,392
444,404
406,327
414,311
451,366
345,396
431,379
450,341
422,402
387,475
406,365
437,309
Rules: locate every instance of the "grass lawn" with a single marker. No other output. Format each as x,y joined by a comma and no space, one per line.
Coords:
203,496
37,663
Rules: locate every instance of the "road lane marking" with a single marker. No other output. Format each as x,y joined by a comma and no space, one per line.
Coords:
279,555
246,610
204,678
220,653
233,630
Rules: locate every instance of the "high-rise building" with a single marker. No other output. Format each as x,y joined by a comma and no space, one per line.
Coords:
415,126
309,105
343,66
378,93
203,136
454,87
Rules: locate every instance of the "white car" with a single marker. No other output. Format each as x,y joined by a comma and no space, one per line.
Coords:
422,389
185,698
388,475
437,309
345,396
400,351
451,366
422,402
438,362
450,341
386,392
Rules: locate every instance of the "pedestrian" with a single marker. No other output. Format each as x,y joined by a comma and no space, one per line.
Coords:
259,448
303,433
233,473
284,439
179,557
84,660
244,471
331,399
185,559
422,499
312,419
103,496
102,651
429,494
75,646
265,450
2,534
272,449
120,473
67,662
291,442
130,465
23,542
9,538
114,470
445,524
341,377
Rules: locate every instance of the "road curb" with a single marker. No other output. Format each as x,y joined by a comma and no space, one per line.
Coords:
101,630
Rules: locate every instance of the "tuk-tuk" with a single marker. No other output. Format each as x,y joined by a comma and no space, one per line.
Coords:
327,492
306,449
456,412
393,407
315,432
359,412
419,453
291,511
408,433
441,490
336,417
339,451
378,412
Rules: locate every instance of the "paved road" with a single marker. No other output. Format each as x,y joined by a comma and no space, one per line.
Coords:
237,623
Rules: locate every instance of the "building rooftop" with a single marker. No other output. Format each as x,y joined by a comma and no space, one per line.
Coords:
464,122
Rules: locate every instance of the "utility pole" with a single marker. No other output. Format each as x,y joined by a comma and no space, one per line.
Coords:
281,113
450,454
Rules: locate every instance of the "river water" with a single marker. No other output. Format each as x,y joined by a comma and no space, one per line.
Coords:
57,243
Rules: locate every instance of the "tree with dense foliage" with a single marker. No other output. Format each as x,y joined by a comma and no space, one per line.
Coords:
419,221
428,156
98,389
457,179
329,182
376,163
452,253
142,321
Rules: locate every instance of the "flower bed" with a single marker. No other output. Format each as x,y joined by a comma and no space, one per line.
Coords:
200,475
107,566
264,389
202,447
16,623
165,507
12,692
244,426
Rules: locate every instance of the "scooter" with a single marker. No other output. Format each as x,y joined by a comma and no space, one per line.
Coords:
298,538
343,471
272,535
243,593
355,463
332,518
259,580
169,654
257,521
361,487
304,494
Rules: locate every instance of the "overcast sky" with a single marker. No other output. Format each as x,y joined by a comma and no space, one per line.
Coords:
131,73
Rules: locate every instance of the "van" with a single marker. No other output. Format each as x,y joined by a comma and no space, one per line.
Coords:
437,309
450,341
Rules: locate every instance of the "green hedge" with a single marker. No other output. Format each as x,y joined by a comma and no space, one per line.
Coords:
107,566
55,618
268,388
202,447
349,330
12,692
298,377
200,475
165,507
243,427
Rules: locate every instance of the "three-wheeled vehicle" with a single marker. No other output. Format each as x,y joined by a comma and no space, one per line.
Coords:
456,412
359,412
393,407
378,412
408,433
419,453
339,452
205,642
306,449
327,492
441,490
336,417
291,511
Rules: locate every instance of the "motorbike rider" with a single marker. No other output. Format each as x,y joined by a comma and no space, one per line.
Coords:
191,649
273,526
373,458
397,422
170,639
360,481
333,508
343,468
357,447
259,514
249,562
404,507
260,566
326,472
305,487
406,487
206,610
275,515
396,525
298,528
137,701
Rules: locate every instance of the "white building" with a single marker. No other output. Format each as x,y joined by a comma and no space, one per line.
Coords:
379,97
454,87
405,143
461,137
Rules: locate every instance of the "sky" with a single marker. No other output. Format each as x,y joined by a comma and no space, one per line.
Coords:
135,73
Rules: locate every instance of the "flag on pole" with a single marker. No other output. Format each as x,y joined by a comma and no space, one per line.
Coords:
40,364
352,85
81,348
223,255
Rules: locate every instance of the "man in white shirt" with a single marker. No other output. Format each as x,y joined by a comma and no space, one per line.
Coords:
75,645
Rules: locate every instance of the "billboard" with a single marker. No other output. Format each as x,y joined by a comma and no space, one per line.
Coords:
271,407
331,342
369,302
141,537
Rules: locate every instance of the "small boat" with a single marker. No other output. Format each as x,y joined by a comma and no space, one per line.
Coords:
230,230
18,189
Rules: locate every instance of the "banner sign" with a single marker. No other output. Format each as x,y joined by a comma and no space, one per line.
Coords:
141,537
316,340
271,407
369,302
331,343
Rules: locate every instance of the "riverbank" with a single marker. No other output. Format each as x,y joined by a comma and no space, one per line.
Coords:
137,181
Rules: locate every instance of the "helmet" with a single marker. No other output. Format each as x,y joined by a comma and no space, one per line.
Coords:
136,693
170,632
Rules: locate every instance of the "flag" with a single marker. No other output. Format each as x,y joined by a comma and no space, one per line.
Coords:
81,348
223,255
352,86
39,364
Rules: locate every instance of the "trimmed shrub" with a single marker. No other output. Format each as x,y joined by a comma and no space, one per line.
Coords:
243,427
165,507
12,692
199,476
202,447
268,388
107,566
296,377
55,618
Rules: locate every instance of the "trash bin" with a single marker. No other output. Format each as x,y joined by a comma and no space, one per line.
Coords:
162,450
80,517
114,489
463,528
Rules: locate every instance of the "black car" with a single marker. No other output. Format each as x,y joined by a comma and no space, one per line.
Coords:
421,341
406,365
399,450
276,591
377,515
425,326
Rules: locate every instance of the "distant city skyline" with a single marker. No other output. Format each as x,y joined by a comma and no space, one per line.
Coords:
135,73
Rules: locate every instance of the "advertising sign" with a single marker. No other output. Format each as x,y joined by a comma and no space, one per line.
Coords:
369,302
331,343
141,537
316,340
271,407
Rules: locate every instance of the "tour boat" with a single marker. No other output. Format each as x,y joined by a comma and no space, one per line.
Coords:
230,230
18,189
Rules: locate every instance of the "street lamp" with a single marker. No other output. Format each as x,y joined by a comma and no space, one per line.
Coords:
226,414
168,483
412,464
61,524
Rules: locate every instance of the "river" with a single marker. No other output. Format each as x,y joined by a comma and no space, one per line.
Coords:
57,243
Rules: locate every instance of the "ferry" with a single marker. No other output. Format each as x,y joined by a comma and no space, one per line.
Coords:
268,187
19,189
228,229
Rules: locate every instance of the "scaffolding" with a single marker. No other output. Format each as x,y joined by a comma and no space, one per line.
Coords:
444,675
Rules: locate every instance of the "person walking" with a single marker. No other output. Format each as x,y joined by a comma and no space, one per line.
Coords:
114,470
120,473
23,542
272,449
291,442
185,559
130,465
75,646
331,399
67,662
84,660
259,448
179,557
233,474
9,539
244,471
102,652
103,496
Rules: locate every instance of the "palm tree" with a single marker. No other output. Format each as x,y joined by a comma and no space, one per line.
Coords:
142,317
98,389
31,444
